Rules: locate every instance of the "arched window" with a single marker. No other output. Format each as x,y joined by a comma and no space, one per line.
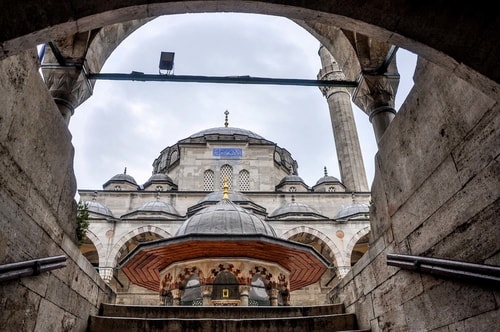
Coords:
226,287
208,180
192,292
226,172
292,189
331,189
244,180
258,293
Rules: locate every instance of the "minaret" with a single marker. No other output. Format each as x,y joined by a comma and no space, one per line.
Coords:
352,170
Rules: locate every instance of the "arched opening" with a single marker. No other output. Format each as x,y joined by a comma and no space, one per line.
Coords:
258,295
360,248
90,252
191,292
225,288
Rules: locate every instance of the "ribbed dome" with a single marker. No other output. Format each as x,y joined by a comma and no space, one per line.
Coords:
295,208
225,217
99,208
158,206
226,131
352,210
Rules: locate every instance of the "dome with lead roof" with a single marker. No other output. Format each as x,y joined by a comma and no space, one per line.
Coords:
353,210
96,207
225,217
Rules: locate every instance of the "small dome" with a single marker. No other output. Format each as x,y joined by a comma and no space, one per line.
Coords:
99,208
159,177
291,179
294,208
158,206
352,210
327,178
123,177
225,217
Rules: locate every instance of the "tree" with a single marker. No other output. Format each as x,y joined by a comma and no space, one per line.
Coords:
82,221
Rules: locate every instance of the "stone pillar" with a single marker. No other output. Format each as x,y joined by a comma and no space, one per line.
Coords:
352,169
244,293
176,294
206,291
273,297
375,95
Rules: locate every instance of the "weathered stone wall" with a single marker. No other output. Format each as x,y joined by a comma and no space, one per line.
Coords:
37,219
436,193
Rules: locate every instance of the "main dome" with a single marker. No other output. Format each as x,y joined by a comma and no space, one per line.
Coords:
226,131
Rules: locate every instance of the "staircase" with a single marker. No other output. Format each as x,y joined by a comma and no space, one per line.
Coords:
125,318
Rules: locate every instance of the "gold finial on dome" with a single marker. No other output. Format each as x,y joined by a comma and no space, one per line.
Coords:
226,122
225,194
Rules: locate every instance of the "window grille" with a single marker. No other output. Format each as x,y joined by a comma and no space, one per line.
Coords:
244,180
292,189
226,172
208,180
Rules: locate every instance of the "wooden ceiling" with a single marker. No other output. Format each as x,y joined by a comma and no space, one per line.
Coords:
143,265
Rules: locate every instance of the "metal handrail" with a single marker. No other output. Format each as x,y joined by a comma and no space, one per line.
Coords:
31,267
446,268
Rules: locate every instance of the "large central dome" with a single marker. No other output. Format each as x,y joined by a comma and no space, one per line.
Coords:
226,131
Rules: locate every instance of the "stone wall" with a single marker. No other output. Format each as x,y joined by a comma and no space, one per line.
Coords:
436,193
37,219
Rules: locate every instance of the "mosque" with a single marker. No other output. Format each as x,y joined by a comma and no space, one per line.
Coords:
225,219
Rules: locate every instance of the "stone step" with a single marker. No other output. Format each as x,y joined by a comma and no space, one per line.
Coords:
138,311
126,318
338,322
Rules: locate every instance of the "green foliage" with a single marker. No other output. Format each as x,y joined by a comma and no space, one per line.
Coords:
82,220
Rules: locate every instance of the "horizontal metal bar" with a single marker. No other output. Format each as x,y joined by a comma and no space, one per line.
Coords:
137,76
447,268
31,267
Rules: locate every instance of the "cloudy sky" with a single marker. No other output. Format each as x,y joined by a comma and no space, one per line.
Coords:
127,124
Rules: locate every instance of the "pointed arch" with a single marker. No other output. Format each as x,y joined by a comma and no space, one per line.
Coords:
99,247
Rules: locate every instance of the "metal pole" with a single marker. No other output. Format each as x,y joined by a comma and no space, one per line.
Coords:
137,76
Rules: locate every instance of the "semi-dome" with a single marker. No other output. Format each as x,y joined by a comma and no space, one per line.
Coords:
99,208
123,177
225,217
351,210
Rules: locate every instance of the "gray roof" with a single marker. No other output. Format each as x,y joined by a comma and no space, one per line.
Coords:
158,206
352,210
294,207
96,207
227,131
123,177
291,179
225,217
327,179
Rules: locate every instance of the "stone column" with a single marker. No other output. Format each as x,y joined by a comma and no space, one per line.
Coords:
176,294
206,291
273,297
352,169
244,293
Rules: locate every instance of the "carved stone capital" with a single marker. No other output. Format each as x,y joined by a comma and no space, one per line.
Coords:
375,91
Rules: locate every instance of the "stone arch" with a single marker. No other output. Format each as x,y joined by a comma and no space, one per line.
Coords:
350,246
336,254
97,244
121,243
434,44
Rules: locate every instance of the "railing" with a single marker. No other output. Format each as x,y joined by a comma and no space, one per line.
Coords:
447,268
31,268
